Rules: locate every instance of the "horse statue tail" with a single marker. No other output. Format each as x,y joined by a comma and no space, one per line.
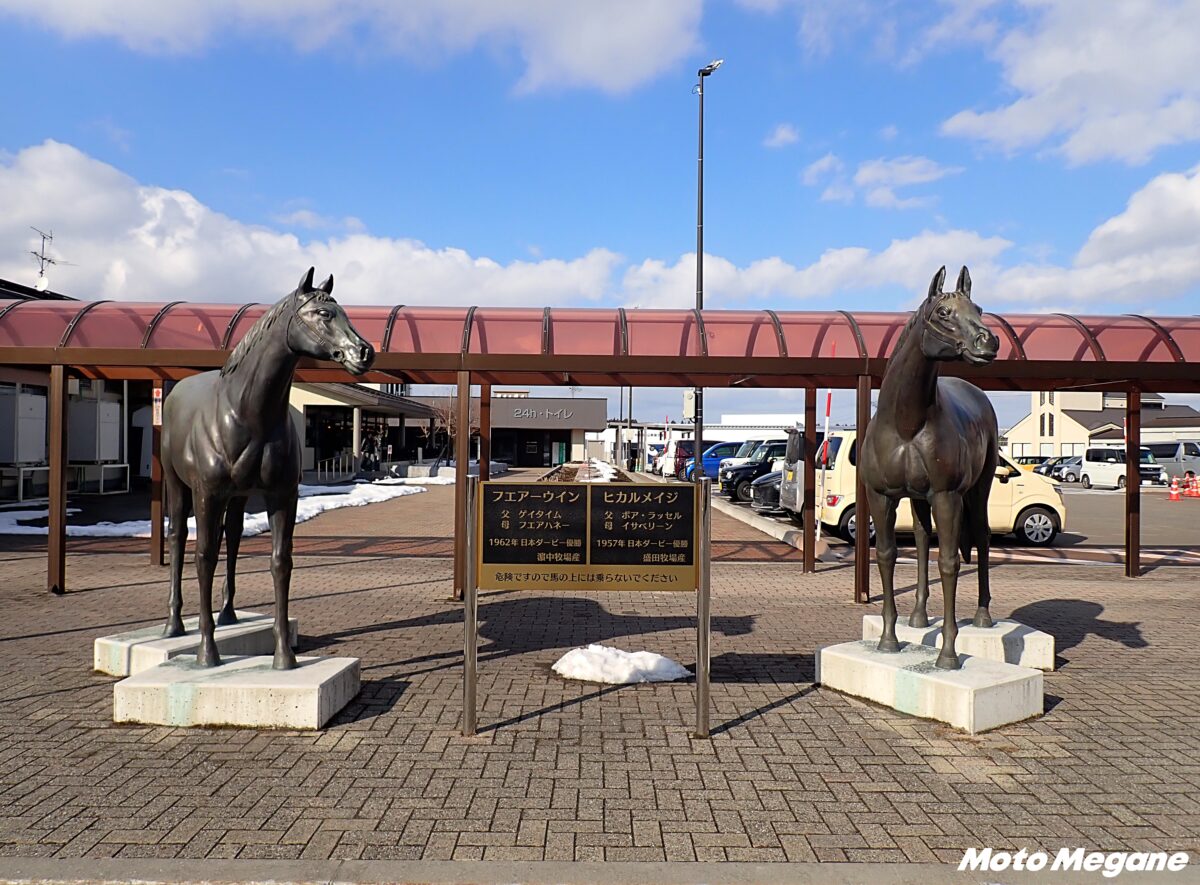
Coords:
964,541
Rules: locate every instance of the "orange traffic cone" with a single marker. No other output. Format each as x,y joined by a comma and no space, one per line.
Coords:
1192,489
1174,493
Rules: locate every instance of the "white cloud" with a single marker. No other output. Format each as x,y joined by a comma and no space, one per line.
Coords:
141,242
879,179
135,241
906,263
818,170
1096,80
781,136
875,180
1146,254
612,46
889,132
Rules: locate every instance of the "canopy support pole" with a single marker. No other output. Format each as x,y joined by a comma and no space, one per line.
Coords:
56,542
1133,483
462,469
862,512
808,508
156,485
485,432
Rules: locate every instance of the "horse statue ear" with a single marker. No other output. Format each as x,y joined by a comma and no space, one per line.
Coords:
964,282
306,281
935,286
327,286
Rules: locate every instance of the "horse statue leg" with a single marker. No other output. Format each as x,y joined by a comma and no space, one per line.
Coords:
883,512
179,507
210,512
235,517
948,511
922,532
282,511
979,535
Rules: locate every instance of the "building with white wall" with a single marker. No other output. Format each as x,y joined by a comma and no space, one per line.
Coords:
1064,422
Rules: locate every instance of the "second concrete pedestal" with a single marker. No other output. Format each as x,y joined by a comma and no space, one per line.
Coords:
980,696
1008,641
125,654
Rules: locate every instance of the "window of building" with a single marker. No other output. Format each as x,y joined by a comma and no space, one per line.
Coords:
1052,397
1042,398
1041,425
1047,450
1051,421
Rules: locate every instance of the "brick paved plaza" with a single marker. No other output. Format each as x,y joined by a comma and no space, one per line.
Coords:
570,771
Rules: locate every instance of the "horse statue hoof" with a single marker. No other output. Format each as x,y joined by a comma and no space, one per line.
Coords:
888,645
983,618
918,619
208,657
173,629
948,662
226,617
285,661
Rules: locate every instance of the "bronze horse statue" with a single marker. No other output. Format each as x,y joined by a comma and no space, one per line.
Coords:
227,434
934,441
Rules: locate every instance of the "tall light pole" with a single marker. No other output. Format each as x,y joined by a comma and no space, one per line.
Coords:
698,472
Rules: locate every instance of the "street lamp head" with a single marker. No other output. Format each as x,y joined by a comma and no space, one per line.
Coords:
710,67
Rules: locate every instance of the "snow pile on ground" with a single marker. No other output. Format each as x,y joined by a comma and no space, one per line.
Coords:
595,470
599,663
314,500
416,481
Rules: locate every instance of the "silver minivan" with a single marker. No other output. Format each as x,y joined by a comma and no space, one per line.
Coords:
1180,458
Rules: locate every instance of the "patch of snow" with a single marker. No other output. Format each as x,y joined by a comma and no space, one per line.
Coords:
314,500
599,663
595,470
416,481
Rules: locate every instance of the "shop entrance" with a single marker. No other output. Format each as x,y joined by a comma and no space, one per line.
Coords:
531,448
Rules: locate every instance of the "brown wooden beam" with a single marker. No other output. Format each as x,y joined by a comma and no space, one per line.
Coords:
156,486
56,545
1133,483
808,508
862,511
485,431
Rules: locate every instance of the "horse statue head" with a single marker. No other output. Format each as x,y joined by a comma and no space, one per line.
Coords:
951,326
320,328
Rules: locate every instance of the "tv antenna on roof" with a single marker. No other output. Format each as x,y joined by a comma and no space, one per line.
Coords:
43,258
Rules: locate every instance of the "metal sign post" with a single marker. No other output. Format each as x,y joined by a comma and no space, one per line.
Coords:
470,530
703,609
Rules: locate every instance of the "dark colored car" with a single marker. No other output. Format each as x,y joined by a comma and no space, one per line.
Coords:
1046,468
685,449
764,492
736,481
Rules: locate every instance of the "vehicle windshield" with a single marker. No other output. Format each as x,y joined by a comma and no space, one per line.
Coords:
747,447
1148,457
760,452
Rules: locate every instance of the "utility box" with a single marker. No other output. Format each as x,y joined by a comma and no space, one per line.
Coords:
22,427
93,431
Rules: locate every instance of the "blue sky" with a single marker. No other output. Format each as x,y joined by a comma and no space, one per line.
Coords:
539,152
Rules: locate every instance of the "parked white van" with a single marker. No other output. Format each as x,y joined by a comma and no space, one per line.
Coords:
1104,467
1179,458
1025,504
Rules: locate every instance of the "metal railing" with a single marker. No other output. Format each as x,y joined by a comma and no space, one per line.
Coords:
338,468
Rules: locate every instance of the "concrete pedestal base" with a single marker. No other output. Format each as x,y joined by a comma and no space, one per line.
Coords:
982,695
125,654
242,691
1007,641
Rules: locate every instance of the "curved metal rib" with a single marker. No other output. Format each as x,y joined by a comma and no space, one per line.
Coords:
468,325
858,337
1163,336
233,324
88,308
1011,334
547,345
624,323
703,332
8,308
1097,350
783,352
158,317
387,332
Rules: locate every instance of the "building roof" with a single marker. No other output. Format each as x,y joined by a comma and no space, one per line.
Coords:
18,292
610,346
376,400
1116,417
